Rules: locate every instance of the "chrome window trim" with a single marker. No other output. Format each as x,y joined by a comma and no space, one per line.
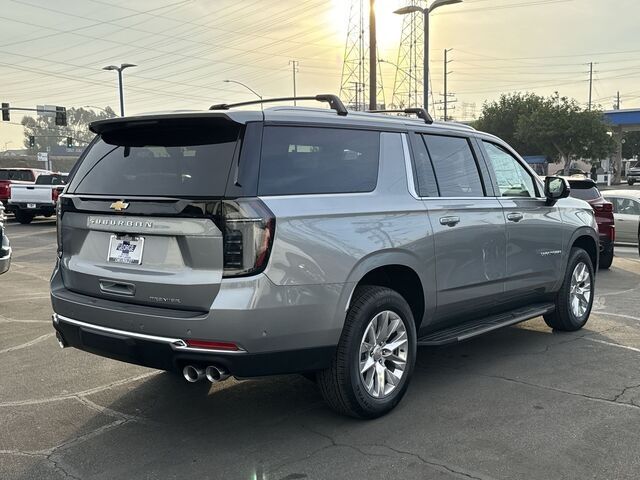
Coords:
175,343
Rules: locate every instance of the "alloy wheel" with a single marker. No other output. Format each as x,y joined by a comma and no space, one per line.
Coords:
383,354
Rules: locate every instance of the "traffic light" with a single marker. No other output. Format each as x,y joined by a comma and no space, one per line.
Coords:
61,116
5,112
69,142
32,141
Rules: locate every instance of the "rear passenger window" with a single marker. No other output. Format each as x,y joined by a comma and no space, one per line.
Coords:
307,160
455,166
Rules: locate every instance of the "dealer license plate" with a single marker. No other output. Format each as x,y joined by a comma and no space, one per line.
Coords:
125,249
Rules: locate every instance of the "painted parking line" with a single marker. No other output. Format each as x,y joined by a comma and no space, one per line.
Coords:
626,347
27,344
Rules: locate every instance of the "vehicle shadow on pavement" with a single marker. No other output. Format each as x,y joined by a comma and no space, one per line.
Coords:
164,426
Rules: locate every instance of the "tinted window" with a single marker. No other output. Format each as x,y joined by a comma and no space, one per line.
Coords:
176,158
455,166
51,180
306,160
512,178
584,190
427,186
17,175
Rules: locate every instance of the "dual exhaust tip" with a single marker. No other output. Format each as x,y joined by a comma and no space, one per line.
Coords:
212,373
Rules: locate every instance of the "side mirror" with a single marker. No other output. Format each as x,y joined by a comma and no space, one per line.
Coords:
556,188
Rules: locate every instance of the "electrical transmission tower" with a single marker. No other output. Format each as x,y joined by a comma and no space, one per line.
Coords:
407,86
355,66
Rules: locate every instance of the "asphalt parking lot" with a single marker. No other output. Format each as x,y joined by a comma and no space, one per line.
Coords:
521,403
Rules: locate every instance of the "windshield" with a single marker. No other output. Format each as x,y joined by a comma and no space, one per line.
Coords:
175,158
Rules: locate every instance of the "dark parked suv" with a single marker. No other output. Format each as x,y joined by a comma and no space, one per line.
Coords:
315,241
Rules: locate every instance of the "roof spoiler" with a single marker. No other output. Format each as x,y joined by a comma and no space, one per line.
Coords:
419,112
333,100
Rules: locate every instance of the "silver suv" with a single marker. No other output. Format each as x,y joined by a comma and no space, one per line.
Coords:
315,241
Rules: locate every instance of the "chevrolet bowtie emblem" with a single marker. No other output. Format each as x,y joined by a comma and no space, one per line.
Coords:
119,206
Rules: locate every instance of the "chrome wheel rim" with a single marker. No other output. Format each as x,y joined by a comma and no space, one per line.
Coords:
383,354
580,291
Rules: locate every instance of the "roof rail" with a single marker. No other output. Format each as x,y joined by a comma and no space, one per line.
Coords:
420,113
333,100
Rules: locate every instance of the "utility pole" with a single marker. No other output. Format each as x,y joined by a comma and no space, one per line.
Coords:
618,101
294,64
373,89
590,83
446,73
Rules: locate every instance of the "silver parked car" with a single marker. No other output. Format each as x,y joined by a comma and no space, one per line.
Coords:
315,241
626,212
5,246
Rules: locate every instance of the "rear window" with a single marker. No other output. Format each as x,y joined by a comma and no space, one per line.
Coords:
307,160
172,158
17,175
584,190
51,180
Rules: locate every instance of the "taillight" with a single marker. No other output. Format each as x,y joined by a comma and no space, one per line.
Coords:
604,207
248,228
5,190
55,193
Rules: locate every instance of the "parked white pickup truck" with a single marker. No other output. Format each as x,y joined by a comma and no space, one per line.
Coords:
27,201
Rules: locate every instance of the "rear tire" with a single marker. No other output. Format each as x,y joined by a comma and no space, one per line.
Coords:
374,312
630,182
606,259
574,300
23,217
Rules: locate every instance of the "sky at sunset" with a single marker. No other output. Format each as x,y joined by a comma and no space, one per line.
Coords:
53,52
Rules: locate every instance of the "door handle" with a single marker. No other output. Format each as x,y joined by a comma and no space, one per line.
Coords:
449,221
515,217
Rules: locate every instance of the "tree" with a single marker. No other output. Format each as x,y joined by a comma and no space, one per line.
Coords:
47,134
561,129
500,118
631,145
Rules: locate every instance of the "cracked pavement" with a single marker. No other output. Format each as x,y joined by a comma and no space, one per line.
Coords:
523,402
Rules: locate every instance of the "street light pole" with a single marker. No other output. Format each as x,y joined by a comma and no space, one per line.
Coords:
245,86
425,59
119,70
425,13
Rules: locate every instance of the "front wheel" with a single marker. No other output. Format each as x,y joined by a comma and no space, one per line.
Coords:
630,183
375,356
574,300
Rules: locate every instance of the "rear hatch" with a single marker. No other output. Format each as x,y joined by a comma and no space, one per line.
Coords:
144,218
